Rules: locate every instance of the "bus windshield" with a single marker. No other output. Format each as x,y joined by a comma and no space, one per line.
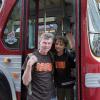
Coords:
94,26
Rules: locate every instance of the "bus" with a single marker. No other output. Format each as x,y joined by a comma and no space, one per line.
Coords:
21,24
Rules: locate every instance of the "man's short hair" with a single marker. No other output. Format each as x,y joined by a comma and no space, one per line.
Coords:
47,36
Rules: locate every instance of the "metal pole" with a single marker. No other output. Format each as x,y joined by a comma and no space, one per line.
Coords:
44,15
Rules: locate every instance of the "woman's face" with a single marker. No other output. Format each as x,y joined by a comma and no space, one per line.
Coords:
59,45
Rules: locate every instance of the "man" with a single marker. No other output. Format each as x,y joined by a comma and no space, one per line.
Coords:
39,70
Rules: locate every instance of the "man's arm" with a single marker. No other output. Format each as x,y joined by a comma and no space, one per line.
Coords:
27,73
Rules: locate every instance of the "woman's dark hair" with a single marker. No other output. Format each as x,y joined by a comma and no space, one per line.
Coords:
61,38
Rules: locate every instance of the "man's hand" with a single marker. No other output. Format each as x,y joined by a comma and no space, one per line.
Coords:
32,61
27,73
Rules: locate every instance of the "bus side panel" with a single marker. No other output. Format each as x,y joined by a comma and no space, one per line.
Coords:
88,63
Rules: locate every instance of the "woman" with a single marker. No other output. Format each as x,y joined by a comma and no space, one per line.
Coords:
62,71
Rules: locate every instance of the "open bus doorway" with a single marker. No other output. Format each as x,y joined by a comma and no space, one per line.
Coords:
55,16
63,14
58,17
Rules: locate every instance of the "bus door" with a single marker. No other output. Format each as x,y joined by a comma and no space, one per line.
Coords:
15,43
10,55
90,50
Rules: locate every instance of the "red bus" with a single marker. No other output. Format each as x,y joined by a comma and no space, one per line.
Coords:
22,22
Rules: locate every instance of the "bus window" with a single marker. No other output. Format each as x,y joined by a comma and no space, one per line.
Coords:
47,18
11,36
50,26
94,27
32,25
31,41
54,18
1,4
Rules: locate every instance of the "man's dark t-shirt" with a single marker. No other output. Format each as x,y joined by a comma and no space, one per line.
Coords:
41,83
